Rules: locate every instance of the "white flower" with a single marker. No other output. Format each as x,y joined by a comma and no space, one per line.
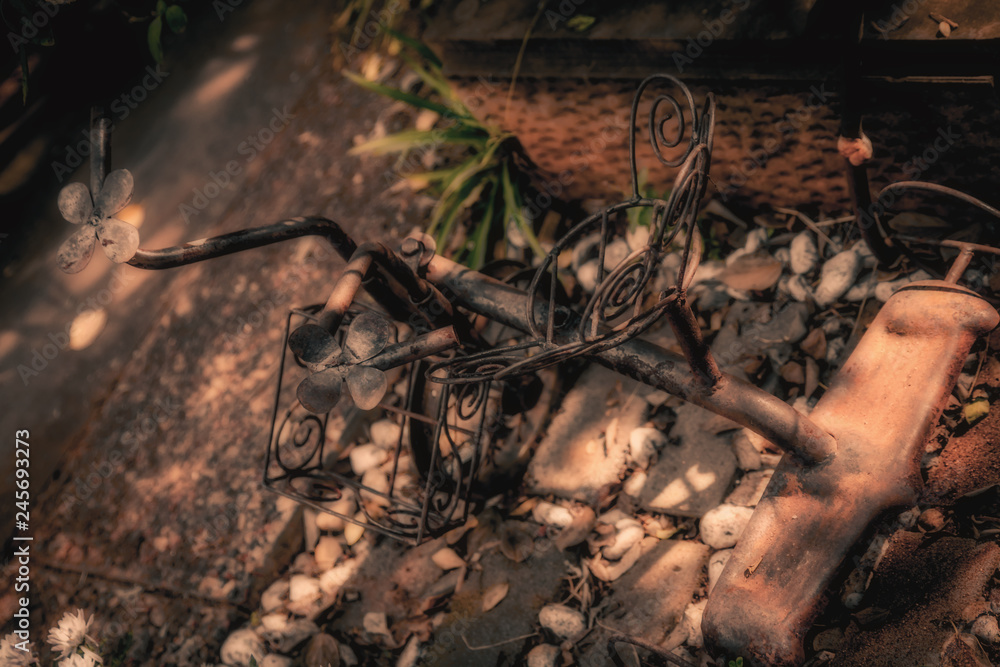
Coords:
87,659
11,656
70,634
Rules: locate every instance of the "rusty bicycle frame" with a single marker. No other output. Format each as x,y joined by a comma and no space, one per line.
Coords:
855,457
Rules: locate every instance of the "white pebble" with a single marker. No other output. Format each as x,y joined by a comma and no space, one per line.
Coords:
838,275
615,253
303,588
240,646
543,655
722,526
345,506
985,628
716,564
328,552
803,254
586,275
561,620
550,514
385,433
273,596
628,535
633,485
644,443
365,457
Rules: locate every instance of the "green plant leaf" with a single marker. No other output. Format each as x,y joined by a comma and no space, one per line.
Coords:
422,49
581,22
396,94
411,139
176,18
512,206
482,234
153,38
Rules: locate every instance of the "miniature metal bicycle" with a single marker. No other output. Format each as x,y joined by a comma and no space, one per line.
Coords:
855,457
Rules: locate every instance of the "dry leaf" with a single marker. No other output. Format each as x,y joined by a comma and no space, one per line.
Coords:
494,595
757,271
447,559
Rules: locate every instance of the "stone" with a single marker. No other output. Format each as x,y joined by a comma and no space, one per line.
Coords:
274,596
803,254
562,621
366,457
629,533
837,276
798,288
614,254
550,514
543,655
302,588
634,484
716,564
644,443
328,552
283,634
695,476
750,489
885,290
345,506
385,433
693,614
722,526
586,275
986,629
240,646
574,460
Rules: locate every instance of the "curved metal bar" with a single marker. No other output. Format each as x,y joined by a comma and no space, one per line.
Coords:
245,239
740,401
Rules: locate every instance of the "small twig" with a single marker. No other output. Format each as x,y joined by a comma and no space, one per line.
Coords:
506,641
652,648
810,224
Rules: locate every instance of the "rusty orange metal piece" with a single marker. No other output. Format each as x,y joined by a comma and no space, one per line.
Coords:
880,408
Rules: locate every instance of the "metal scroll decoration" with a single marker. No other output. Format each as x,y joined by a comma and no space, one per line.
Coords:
622,306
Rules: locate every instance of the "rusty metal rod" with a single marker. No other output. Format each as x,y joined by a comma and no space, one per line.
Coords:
387,293
740,401
692,343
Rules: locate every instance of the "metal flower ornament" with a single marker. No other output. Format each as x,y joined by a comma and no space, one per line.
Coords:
118,239
333,366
